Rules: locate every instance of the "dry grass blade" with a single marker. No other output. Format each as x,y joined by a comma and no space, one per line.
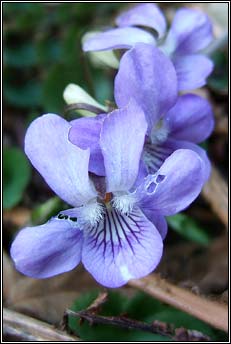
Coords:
17,326
216,194
213,313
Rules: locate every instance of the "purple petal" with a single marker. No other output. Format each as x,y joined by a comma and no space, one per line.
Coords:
121,248
149,77
176,144
158,220
142,173
191,31
177,183
122,140
120,38
47,250
192,71
155,155
190,119
63,165
85,133
145,15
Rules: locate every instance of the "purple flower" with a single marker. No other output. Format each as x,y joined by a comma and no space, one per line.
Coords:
190,32
174,122
114,231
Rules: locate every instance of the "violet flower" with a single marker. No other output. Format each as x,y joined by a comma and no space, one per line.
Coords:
113,231
190,33
174,122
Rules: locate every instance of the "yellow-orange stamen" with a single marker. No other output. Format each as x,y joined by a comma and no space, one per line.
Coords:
108,197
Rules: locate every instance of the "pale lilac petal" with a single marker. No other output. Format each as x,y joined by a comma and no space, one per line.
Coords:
192,71
119,38
47,250
144,15
177,144
85,133
190,119
176,184
191,31
122,140
149,77
155,155
142,173
158,220
121,248
63,165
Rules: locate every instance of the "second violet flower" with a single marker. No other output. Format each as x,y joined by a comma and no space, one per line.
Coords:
189,34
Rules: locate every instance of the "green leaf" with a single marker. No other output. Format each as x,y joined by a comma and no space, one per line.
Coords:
24,16
188,228
59,76
48,51
142,305
21,56
27,95
16,176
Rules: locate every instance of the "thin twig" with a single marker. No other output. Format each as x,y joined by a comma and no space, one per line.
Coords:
215,193
98,302
120,321
211,312
157,327
17,326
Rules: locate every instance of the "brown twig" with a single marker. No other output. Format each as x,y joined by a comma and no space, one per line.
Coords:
98,302
215,193
157,327
120,321
20,327
211,312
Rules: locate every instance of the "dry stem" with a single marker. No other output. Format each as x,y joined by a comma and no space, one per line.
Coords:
216,194
211,312
17,326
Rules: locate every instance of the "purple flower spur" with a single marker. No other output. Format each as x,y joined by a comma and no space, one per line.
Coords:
190,33
114,228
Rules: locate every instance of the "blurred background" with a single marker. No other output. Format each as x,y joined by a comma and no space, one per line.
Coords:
41,55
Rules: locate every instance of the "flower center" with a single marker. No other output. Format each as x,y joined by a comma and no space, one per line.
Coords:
123,202
108,197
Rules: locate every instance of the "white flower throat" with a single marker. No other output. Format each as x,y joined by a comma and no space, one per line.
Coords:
119,201
159,133
94,211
